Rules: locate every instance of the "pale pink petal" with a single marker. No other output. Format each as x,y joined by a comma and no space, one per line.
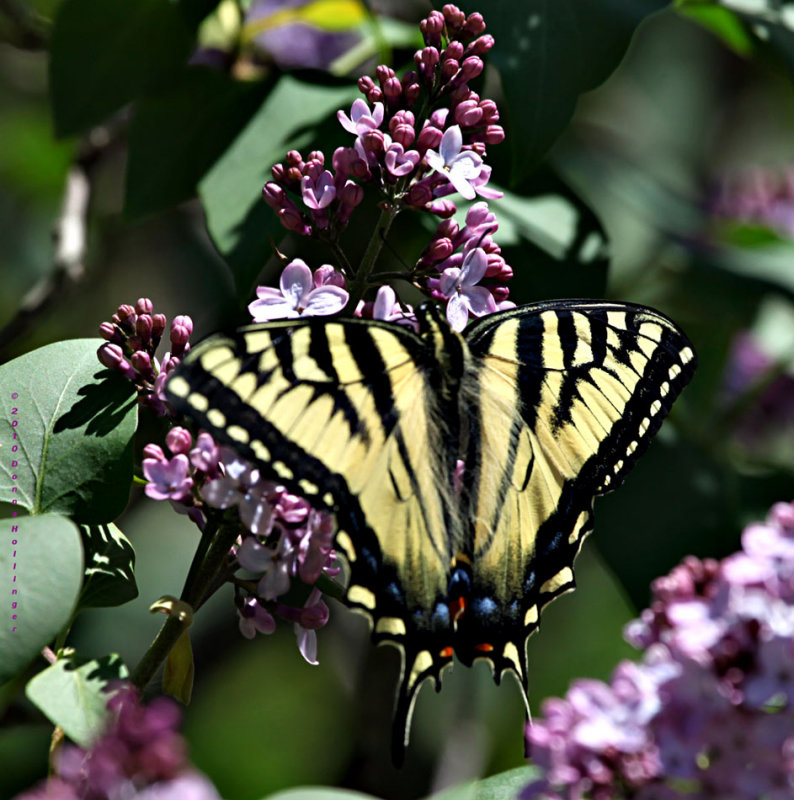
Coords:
384,303
451,142
457,312
265,309
448,282
326,300
474,266
295,281
478,300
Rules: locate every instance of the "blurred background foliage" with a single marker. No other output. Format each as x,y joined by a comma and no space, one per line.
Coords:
649,158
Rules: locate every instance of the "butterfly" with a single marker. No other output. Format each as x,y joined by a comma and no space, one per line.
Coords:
461,467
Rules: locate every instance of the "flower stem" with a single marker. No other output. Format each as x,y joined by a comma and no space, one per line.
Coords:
207,564
358,285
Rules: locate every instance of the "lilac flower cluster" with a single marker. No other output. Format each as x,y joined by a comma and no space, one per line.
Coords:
418,139
709,711
282,538
140,757
132,337
760,197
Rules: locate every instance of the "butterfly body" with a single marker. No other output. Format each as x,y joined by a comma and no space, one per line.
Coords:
461,468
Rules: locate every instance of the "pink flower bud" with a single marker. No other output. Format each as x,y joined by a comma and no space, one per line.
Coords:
428,58
442,208
454,50
438,250
429,138
294,159
292,220
468,114
494,134
449,68
295,174
158,327
365,84
419,195
351,195
317,156
374,141
404,135
479,47
500,293
181,328
143,327
179,440
326,275
453,16
475,24
144,305
411,94
432,27
154,451
490,113
112,357
108,331
471,68
273,194
279,173
392,91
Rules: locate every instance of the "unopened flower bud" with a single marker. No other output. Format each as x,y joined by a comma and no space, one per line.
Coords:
365,84
442,208
479,47
112,356
449,68
294,159
142,364
392,91
154,451
453,16
179,440
475,24
429,138
468,114
494,134
292,220
273,194
279,173
158,327
144,305
453,50
109,332
143,327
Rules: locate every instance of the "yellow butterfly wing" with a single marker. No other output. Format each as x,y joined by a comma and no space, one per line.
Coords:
570,393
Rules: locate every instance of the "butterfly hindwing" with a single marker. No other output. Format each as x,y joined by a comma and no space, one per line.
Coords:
580,388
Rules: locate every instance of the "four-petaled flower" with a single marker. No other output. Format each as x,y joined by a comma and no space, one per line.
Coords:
461,167
361,119
297,296
168,480
319,192
465,297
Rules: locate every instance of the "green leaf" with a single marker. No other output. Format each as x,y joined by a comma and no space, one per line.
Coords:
550,51
109,567
41,568
75,423
239,221
497,787
73,693
555,243
104,53
179,132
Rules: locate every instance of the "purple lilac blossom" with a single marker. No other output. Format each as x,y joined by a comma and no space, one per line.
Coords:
709,710
297,296
141,756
